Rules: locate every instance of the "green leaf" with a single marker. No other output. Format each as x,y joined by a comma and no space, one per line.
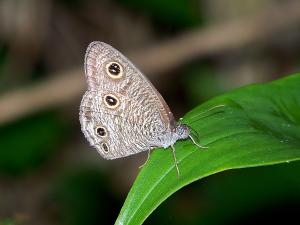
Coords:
259,125
236,196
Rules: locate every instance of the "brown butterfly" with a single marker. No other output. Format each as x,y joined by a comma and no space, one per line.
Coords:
122,113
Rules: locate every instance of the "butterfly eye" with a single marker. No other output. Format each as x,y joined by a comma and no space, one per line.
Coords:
101,131
182,131
105,147
111,101
114,70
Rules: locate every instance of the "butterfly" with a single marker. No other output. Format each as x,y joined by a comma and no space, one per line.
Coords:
122,113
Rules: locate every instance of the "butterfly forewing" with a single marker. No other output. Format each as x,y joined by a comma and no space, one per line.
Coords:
122,104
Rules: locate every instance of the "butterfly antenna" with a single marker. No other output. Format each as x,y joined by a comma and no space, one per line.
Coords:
193,139
214,107
175,160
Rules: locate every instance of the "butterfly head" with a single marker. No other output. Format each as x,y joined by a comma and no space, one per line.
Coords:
182,131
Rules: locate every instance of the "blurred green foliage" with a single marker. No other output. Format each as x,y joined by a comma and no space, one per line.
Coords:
83,197
177,14
26,144
7,221
201,82
166,14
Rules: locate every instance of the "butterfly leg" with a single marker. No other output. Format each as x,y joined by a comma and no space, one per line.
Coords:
195,143
175,160
148,157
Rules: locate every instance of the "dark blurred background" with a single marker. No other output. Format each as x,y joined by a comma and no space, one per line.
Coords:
191,50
